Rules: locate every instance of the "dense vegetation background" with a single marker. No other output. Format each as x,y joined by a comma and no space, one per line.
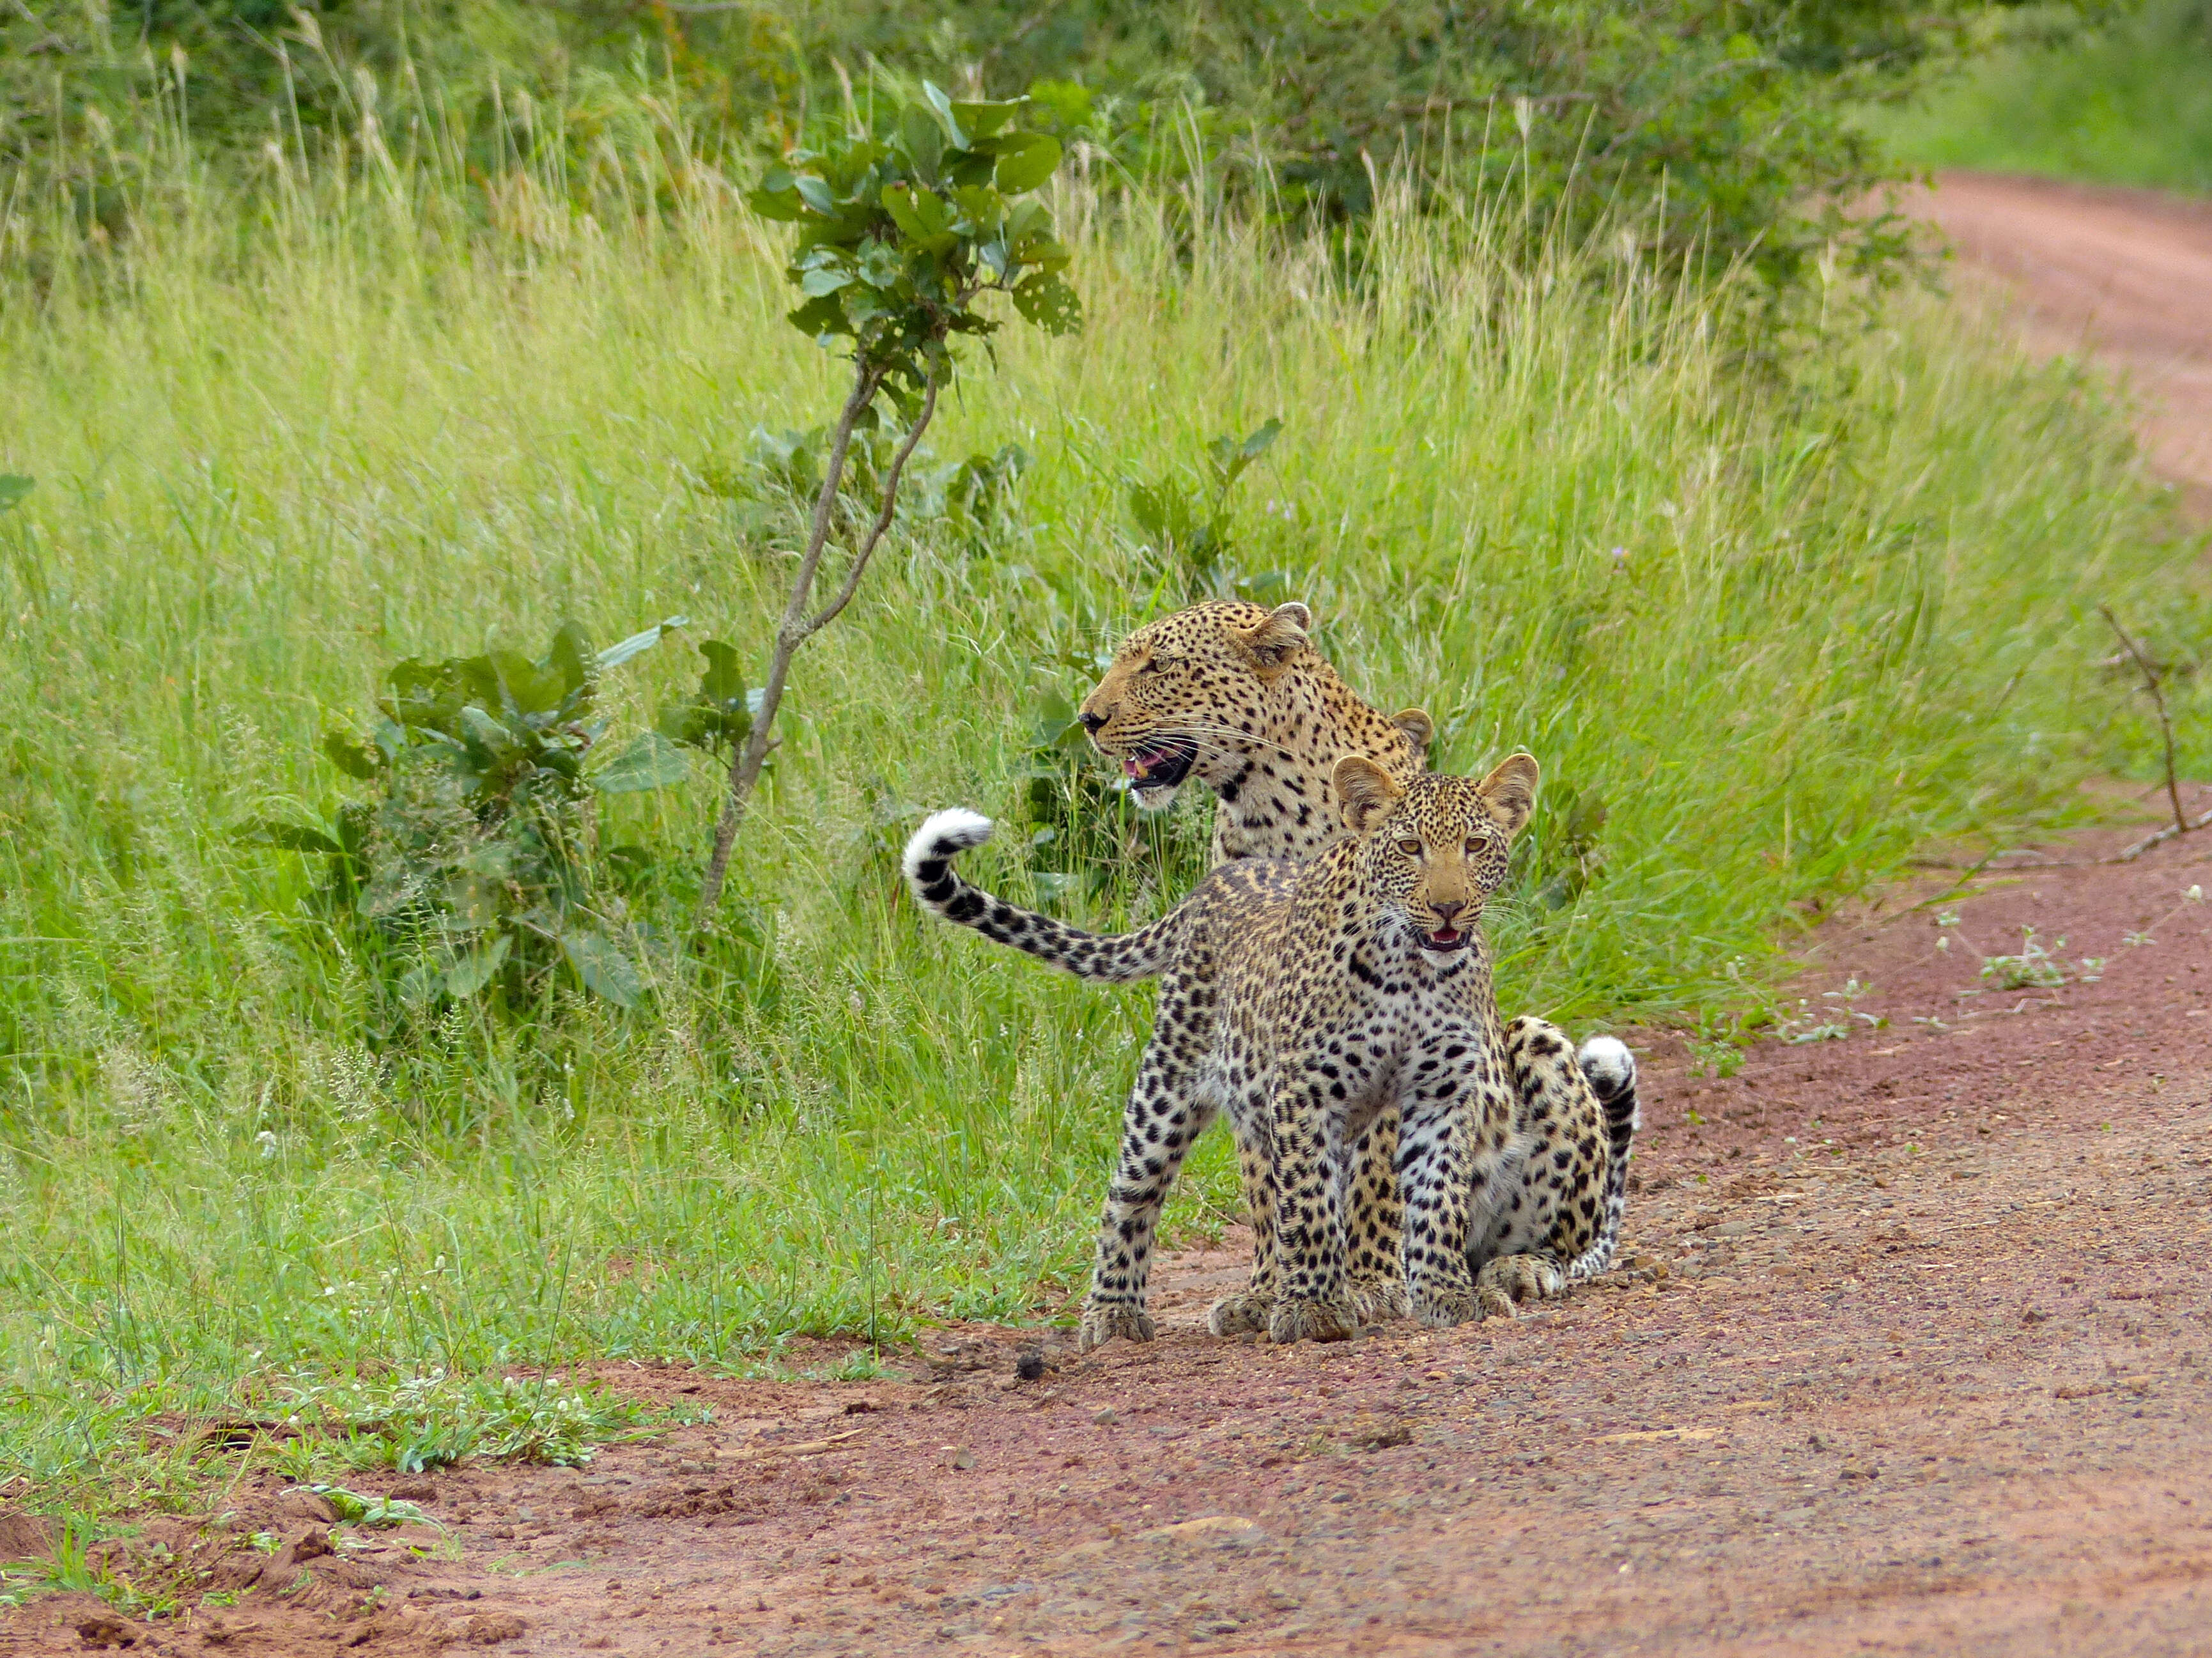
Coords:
335,337
2126,102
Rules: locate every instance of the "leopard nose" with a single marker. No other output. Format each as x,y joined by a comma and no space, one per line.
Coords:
1090,721
1447,908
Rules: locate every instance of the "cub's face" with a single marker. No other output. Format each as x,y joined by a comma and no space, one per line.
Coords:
1435,850
1182,690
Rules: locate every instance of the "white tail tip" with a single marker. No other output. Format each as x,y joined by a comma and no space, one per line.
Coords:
942,835
1609,1066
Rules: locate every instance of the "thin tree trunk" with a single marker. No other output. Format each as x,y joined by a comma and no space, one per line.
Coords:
798,627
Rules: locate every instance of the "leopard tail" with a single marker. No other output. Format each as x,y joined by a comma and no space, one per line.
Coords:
1110,958
1611,1069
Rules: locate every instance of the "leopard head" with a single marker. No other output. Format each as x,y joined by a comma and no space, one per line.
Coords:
1185,692
1433,850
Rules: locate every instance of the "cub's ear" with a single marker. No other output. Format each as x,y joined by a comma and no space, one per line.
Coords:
1364,792
1273,642
1510,791
1421,730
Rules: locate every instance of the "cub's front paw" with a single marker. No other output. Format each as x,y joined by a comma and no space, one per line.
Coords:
1237,1315
1523,1278
1380,1298
1311,1319
1440,1306
1101,1324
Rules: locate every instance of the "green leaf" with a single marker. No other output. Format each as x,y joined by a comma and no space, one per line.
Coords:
1045,298
486,731
531,687
815,283
354,759
943,106
474,970
981,121
614,655
820,318
816,194
1256,445
567,657
289,837
925,141
647,761
880,265
1027,168
776,204
724,681
13,486
600,963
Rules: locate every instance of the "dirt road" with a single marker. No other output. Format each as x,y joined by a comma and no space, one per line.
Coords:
2124,275
1928,1370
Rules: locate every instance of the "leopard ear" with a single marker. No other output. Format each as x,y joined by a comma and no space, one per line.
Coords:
1421,730
1273,643
1364,792
1510,791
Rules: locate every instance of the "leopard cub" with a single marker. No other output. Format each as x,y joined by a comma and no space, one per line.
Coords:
1307,998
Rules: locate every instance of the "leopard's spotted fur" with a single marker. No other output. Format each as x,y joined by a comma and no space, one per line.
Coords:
1306,1000
1235,696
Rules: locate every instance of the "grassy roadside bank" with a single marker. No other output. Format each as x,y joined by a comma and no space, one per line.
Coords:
1784,630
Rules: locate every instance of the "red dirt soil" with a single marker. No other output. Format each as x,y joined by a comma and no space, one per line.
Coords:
1912,1353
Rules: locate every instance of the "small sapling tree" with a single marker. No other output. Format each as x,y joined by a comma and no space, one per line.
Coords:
901,233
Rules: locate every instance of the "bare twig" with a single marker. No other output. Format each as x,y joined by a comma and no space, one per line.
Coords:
2150,675
2179,826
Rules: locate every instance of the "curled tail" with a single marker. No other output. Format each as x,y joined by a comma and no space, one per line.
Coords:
1611,1069
1114,959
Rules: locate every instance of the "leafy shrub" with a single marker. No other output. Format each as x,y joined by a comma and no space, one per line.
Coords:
473,863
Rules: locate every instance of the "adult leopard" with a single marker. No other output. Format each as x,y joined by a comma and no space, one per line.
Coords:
1236,697
1305,999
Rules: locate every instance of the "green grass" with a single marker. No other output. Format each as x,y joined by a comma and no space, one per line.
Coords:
2131,105
1788,626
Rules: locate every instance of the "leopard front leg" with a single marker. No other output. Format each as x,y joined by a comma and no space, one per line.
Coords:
1375,1219
1446,1085
1162,1119
1249,1308
1312,1298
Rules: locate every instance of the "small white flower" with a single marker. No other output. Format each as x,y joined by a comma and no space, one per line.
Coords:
266,1139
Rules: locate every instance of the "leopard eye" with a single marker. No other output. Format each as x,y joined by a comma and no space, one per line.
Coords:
1473,844
1411,849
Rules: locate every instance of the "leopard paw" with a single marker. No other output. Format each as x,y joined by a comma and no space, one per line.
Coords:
1103,1323
1440,1306
1524,1278
1246,1310
1310,1317
1494,1303
1380,1298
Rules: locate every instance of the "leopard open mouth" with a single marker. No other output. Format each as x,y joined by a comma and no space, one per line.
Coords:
1444,939
1162,766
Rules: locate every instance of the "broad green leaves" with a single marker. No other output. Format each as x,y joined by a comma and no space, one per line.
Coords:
900,233
720,711
472,867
